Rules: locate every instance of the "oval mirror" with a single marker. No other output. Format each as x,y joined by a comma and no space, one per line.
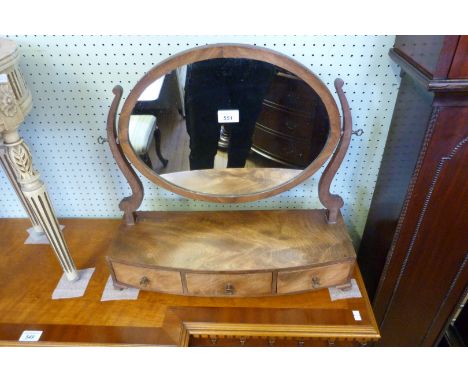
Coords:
229,123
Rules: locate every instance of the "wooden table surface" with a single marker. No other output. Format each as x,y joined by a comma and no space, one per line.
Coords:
30,273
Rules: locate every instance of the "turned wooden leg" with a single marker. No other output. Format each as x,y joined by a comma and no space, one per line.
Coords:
157,144
146,160
12,178
34,192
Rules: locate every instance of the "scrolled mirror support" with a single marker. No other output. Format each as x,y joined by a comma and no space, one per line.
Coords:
334,202
129,204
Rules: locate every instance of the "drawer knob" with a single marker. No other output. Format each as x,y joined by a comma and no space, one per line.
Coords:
315,282
144,281
290,126
229,289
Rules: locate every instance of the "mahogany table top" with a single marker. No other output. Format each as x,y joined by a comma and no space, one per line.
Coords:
30,273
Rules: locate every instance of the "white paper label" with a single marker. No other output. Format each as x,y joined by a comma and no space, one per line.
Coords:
357,315
30,335
228,116
3,79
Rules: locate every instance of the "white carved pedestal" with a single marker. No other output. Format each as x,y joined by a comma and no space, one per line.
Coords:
15,157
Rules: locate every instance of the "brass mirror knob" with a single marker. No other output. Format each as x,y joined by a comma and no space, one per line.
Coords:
315,282
144,281
229,289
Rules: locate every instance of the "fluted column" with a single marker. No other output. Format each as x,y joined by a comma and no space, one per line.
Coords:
34,191
17,160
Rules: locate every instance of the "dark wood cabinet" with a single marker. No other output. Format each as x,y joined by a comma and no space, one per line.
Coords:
292,127
414,250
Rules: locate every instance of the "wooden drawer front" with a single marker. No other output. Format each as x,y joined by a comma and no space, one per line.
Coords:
292,93
284,122
286,149
148,278
249,284
315,278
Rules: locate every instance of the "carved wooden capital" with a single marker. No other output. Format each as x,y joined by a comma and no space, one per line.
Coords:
10,113
8,104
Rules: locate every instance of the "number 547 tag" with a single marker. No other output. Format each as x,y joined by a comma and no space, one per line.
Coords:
30,336
228,116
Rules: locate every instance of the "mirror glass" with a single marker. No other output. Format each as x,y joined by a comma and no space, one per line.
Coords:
228,126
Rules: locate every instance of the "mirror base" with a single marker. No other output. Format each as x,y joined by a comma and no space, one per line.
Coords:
232,253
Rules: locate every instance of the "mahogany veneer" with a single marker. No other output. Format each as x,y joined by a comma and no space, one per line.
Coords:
232,181
232,253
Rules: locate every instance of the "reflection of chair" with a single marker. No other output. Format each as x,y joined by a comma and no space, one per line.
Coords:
143,127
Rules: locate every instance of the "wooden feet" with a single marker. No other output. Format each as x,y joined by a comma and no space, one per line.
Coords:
345,287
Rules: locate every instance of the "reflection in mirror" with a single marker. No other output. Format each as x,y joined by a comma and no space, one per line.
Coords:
235,117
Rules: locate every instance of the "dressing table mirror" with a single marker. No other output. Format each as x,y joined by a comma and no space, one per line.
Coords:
230,123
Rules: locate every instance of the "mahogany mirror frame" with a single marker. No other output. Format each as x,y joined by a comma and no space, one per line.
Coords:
229,51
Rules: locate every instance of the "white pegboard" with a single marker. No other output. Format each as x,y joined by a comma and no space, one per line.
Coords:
71,79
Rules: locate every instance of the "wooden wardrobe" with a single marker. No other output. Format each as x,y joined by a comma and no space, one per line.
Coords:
414,250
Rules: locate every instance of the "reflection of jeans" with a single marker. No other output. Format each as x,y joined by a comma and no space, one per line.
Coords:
220,84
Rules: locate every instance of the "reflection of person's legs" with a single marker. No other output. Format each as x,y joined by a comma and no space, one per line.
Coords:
205,94
247,94
240,140
203,132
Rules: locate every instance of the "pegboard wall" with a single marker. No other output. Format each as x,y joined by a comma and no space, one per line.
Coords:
71,80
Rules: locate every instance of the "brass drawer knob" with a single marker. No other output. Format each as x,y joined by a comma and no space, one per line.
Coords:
315,282
144,281
229,289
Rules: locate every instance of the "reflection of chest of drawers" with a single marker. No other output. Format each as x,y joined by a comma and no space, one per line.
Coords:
292,126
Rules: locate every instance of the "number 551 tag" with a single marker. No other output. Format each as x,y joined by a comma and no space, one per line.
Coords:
228,116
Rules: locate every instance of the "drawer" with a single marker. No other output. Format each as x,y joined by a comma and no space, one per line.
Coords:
231,285
314,278
284,122
289,150
292,93
148,278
